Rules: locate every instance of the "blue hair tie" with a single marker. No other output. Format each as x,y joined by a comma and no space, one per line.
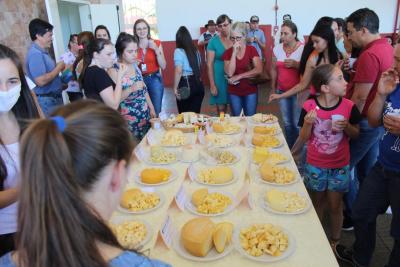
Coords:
60,123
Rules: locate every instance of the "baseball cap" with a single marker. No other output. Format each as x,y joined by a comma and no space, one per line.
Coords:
210,23
254,19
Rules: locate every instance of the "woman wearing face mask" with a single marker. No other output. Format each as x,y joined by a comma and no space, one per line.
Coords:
16,106
136,108
151,57
73,170
284,75
241,62
215,64
94,79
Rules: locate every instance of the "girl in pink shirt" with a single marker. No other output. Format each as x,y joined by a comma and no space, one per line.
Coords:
327,122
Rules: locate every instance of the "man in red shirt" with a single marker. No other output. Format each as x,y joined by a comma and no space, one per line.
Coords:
375,58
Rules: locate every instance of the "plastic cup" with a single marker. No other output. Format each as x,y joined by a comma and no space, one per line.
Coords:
335,118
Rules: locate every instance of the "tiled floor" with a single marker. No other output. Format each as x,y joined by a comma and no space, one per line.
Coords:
384,241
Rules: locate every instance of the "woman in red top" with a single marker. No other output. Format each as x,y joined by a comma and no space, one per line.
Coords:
151,57
241,62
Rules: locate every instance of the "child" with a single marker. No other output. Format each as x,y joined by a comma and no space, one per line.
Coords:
326,174
73,171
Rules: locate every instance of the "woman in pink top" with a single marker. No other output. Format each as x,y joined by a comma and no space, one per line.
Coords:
284,75
322,51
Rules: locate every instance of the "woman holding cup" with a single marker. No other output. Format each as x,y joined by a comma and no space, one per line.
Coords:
284,75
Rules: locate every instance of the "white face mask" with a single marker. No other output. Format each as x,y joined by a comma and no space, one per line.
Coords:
9,98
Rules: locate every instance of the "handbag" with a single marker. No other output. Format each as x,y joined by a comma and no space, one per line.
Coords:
261,78
184,91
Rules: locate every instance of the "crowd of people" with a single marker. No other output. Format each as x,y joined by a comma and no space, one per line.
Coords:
338,93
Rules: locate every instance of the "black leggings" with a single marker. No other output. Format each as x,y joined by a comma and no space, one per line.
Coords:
6,243
193,103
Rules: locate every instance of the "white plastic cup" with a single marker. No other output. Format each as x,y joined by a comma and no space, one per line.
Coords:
335,118
393,114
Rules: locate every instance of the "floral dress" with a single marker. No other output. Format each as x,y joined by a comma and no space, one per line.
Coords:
134,108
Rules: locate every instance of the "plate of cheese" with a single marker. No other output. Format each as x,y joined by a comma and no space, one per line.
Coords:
262,140
161,156
210,202
276,174
202,240
218,175
263,118
285,202
264,242
139,201
153,176
131,234
226,127
261,154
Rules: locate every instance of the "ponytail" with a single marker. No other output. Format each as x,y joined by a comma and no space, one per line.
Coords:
56,225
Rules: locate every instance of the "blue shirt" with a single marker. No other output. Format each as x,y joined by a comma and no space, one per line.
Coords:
389,145
181,59
38,62
259,34
126,259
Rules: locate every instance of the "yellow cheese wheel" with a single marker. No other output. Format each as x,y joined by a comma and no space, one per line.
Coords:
127,197
155,175
260,154
197,236
218,128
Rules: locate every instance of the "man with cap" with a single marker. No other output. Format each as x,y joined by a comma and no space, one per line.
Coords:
255,36
206,36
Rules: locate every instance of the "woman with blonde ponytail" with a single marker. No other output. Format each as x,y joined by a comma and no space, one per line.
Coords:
73,171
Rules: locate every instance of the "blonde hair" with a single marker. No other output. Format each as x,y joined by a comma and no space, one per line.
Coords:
239,27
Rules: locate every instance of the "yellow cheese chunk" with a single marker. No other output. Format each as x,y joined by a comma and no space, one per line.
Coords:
155,175
197,236
219,239
228,228
198,196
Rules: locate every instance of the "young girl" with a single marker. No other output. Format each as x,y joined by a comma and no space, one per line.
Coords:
136,108
326,174
69,192
16,107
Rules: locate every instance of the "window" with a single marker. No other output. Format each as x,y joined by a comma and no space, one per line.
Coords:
137,9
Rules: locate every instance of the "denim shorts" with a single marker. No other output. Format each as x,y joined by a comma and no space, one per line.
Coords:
322,179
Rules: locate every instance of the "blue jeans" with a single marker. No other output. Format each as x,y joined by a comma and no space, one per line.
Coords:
49,102
248,103
379,190
363,154
290,115
155,87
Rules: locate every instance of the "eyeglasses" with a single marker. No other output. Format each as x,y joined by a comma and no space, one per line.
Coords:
223,25
237,38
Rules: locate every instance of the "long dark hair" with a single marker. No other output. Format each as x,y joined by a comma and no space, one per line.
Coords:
184,41
102,27
84,39
122,42
57,227
322,29
25,108
96,46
